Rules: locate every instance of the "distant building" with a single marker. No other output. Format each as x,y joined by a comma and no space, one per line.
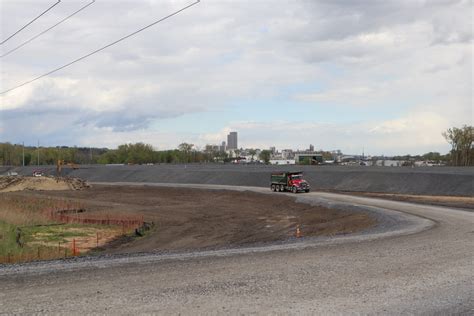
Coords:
308,158
222,147
287,154
273,150
282,161
311,147
232,141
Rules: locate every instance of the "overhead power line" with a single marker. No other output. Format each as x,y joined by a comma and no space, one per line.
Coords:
47,30
100,49
44,12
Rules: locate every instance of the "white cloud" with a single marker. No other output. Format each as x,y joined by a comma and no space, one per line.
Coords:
412,56
418,132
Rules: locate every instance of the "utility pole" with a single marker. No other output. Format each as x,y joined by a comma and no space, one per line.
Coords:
23,154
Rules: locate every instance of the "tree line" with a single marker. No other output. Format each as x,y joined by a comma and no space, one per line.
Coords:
13,154
460,139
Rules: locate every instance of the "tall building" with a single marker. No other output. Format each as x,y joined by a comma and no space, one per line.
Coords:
232,140
222,147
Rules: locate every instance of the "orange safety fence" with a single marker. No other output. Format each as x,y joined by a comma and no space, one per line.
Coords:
78,218
47,251
66,212
40,253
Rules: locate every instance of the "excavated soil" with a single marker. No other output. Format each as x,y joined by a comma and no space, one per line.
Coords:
19,183
198,218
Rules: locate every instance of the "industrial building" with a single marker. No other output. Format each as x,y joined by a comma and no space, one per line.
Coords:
308,158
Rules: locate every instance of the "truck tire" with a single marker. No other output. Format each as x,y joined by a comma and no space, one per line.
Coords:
295,190
282,188
272,187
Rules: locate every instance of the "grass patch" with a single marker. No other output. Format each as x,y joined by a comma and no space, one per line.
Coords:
51,241
7,239
55,233
42,237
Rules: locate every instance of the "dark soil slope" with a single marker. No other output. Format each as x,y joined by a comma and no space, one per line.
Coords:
420,181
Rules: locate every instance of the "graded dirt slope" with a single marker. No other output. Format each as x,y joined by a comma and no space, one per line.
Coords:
18,183
462,202
188,218
455,181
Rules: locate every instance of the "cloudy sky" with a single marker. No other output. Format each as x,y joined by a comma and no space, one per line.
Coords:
385,76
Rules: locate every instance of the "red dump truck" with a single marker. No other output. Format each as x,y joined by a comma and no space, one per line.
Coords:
289,181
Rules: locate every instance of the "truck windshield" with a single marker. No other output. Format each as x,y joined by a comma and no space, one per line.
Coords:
296,177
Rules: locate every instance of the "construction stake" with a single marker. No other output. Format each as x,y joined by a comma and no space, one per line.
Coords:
74,247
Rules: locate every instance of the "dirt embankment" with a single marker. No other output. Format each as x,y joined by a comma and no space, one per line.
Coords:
19,183
436,181
197,219
463,202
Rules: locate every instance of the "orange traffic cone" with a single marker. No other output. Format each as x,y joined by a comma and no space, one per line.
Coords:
298,232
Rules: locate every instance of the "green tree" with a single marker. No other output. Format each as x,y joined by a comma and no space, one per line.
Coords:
185,150
252,152
237,152
210,153
27,159
265,156
461,140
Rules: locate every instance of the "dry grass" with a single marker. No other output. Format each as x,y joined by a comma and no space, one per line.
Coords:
46,234
23,211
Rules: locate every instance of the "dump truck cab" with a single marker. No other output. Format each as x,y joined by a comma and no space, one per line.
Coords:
289,181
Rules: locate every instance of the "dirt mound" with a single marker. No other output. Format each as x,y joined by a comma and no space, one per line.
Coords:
9,184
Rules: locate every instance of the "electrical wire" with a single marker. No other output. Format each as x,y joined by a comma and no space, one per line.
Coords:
44,12
47,30
100,49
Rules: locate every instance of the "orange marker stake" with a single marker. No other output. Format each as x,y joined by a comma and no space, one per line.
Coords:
298,232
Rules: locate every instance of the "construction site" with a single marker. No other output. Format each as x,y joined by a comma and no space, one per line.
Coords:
181,219
154,158
120,216
203,214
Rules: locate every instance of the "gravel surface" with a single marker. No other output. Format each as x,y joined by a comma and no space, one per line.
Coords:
418,264
402,180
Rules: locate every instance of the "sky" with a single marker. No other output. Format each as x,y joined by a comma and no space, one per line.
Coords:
383,77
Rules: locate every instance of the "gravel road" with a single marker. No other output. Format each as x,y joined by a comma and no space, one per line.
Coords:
421,264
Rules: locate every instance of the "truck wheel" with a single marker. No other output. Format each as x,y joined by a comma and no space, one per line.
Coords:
282,188
295,190
273,188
